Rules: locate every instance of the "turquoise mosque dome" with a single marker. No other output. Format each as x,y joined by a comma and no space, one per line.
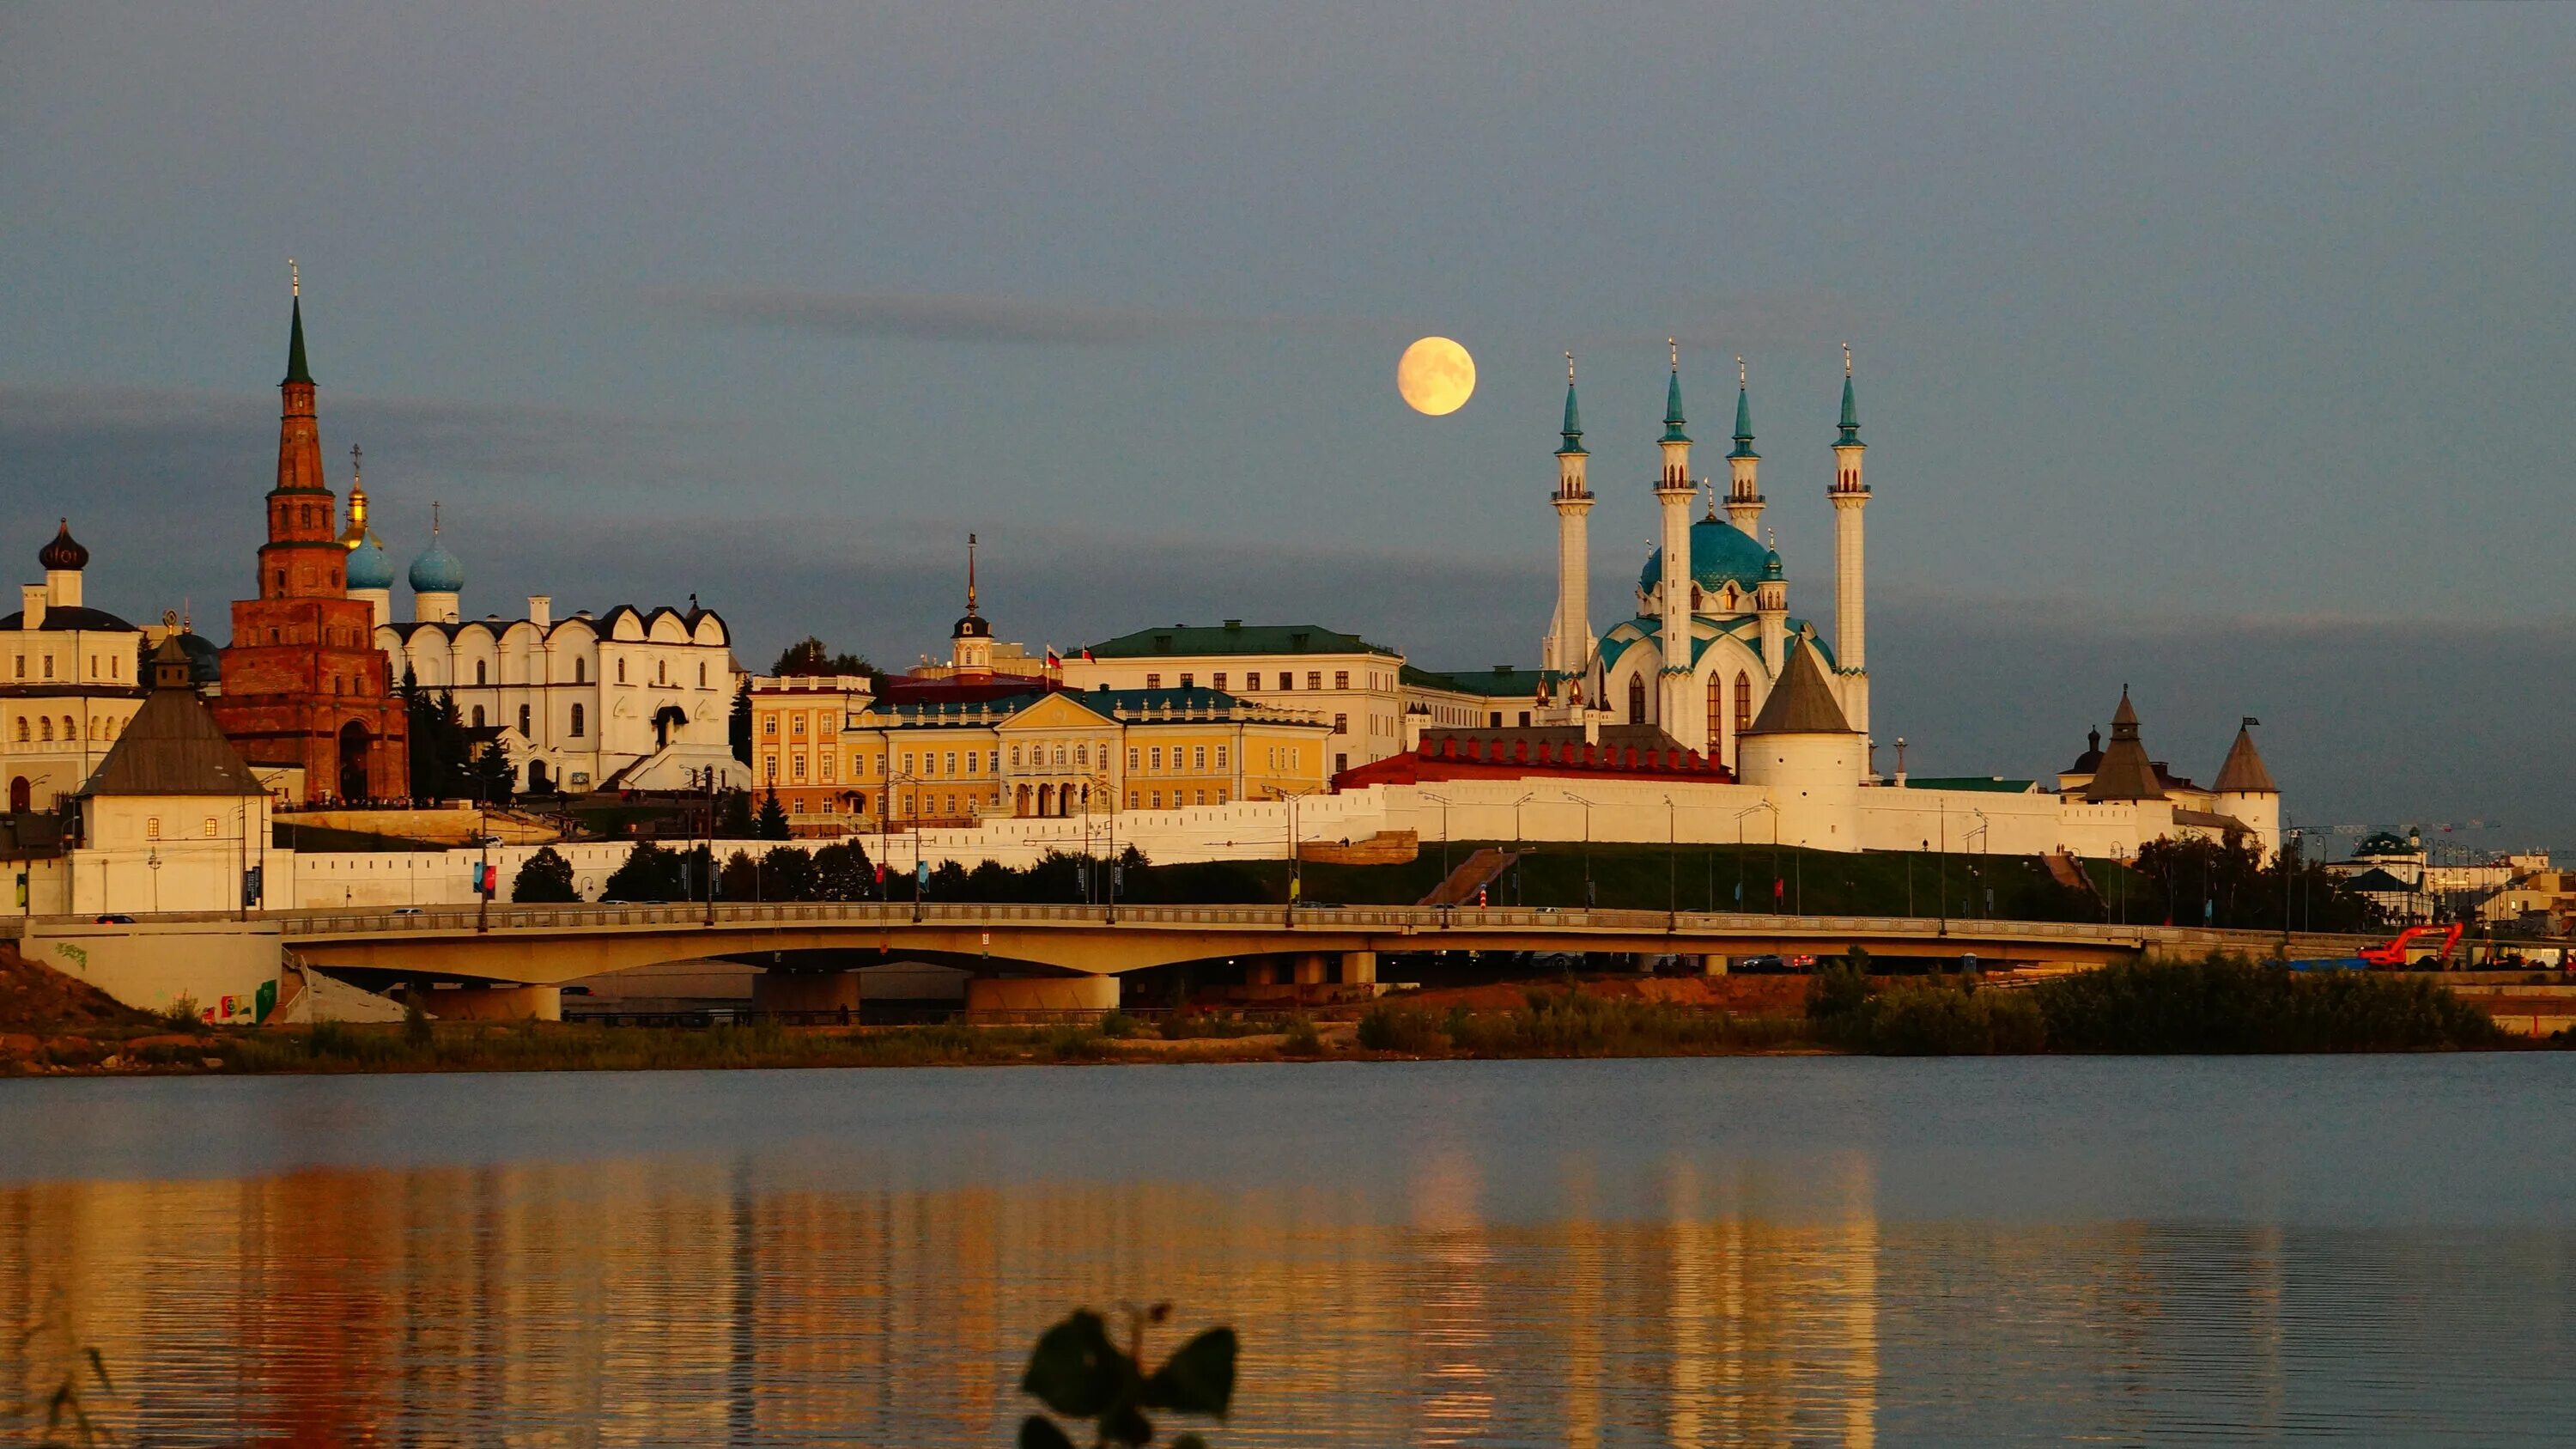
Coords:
436,571
1720,554
370,567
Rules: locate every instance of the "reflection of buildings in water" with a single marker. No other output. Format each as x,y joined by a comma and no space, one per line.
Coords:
629,1303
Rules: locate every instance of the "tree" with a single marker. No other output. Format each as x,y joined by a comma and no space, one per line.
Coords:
738,724
649,874
740,879
787,874
948,882
441,753
843,872
810,655
546,878
733,814
771,823
495,779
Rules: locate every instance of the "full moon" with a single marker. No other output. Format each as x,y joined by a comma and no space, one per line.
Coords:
1436,376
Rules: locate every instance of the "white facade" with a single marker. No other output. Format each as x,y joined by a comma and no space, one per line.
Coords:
69,683
629,699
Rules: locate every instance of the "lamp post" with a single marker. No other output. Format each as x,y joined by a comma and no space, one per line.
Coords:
1587,845
152,858
1941,880
1443,803
483,872
1519,894
1977,872
1672,865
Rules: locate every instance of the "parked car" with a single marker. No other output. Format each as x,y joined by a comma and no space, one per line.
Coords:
1762,965
115,918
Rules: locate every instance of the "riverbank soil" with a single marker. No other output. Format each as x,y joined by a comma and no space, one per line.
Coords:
51,1022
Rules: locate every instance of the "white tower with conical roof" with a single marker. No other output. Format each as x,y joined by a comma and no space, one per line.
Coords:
1676,698
1567,649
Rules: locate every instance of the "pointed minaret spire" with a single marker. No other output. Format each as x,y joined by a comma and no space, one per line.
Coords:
1850,424
970,574
1743,414
1573,430
1850,497
296,371
1744,491
1673,398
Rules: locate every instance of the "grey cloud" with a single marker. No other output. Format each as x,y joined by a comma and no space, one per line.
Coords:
936,318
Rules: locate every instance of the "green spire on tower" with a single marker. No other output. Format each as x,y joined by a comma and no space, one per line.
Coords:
1673,399
1850,424
1573,419
296,371
1743,416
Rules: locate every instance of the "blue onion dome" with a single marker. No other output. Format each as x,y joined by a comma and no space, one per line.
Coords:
370,567
1721,554
436,571
64,553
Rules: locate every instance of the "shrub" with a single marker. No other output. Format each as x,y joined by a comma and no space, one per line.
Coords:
2227,1004
545,878
1400,1029
1302,1039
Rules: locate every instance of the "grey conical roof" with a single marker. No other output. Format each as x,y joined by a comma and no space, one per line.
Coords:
2243,772
1801,703
2125,772
171,746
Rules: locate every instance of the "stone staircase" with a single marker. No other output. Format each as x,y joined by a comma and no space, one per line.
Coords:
1472,875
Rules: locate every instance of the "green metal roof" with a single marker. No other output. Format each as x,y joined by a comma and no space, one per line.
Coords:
296,371
1673,410
1503,681
1720,553
1235,637
1850,424
1743,426
1991,784
1573,424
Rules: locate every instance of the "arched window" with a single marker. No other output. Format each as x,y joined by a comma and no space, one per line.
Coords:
1015,759
71,731
523,722
479,677
621,671
702,674
478,716
1716,713
661,671
22,729
1636,699
576,721
1743,701
580,672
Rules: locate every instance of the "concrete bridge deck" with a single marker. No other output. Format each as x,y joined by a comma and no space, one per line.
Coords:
554,944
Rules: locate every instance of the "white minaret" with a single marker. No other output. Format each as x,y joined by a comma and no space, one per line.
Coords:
1851,575
1744,491
1677,706
1568,646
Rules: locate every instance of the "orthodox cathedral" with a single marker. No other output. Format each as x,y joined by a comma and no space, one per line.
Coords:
1712,635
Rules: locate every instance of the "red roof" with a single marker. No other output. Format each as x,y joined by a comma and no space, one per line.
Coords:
1453,758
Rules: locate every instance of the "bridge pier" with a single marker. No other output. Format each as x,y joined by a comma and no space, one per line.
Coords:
1004,994
494,1003
1261,972
1310,968
778,989
1713,965
1359,968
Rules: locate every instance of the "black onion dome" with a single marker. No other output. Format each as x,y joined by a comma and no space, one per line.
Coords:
64,552
972,627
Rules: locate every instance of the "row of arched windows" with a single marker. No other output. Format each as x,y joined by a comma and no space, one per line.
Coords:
40,729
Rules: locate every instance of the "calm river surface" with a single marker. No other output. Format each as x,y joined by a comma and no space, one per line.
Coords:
1586,1253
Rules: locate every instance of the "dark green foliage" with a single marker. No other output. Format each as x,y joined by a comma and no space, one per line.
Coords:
1388,1028
546,878
650,873
810,655
771,822
1302,1039
842,873
740,878
738,722
2178,879
2225,1004
787,874
949,882
439,751
733,814
493,777
2218,1005
1080,1373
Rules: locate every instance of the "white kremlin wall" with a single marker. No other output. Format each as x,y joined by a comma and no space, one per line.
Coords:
1810,802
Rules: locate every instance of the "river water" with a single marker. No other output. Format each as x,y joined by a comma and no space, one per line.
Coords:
1712,1251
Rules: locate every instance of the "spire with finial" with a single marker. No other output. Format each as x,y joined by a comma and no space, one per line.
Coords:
1709,487
296,371
356,533
1743,414
1850,424
970,573
1573,430
1673,398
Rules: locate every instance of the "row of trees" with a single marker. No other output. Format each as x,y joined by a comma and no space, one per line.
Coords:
2229,884
445,763
840,871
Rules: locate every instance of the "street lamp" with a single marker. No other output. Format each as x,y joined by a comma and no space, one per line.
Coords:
1672,864
1587,845
1519,895
1739,842
1443,803
1977,872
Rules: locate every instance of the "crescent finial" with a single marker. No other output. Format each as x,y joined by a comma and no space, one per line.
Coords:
294,279
1846,359
1676,346
1569,367
1739,370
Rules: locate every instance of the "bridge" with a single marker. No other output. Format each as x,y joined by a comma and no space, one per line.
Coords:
549,945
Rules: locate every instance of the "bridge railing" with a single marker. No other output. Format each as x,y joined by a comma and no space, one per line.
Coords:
1319,919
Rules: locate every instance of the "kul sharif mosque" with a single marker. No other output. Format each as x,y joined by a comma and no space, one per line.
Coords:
1712,635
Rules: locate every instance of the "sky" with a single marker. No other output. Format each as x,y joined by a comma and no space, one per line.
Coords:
2218,351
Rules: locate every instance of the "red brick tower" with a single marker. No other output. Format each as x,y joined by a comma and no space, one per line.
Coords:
304,683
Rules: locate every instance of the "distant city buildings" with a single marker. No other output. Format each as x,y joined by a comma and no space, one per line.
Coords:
73,681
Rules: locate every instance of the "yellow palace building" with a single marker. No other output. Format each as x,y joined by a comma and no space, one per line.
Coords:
955,745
